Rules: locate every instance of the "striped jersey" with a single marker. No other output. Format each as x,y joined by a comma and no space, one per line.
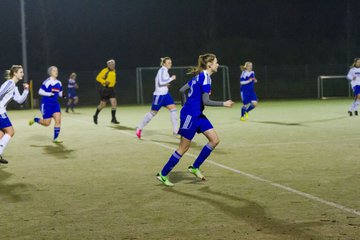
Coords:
72,83
8,92
245,82
354,72
162,80
50,90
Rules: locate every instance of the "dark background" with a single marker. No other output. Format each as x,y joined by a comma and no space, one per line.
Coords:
282,37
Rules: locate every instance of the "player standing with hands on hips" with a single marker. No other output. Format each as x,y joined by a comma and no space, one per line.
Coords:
354,77
161,98
8,92
107,80
50,90
247,92
192,118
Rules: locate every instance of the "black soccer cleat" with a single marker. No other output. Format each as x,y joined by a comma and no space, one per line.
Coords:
350,113
95,118
356,113
3,161
114,121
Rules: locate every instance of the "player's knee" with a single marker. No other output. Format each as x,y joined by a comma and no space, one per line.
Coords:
214,142
255,103
11,133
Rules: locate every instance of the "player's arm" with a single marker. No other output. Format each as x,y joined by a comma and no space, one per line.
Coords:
208,102
165,78
244,81
43,92
20,98
350,76
101,76
4,88
183,95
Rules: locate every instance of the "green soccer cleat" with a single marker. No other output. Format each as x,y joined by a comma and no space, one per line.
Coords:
246,115
242,119
57,141
31,122
196,172
164,180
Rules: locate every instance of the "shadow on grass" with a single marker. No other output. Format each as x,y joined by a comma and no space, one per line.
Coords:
120,127
303,124
250,212
178,176
8,192
57,150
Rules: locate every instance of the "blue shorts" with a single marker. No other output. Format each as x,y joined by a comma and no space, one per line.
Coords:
356,90
4,121
248,96
72,93
190,125
49,109
161,101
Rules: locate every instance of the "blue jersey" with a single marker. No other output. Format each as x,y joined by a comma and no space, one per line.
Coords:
200,84
72,83
246,83
50,86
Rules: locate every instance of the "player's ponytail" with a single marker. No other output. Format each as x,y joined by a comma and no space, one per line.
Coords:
354,63
163,60
7,74
203,60
14,69
243,67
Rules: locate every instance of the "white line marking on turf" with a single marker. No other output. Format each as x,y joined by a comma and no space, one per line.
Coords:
274,184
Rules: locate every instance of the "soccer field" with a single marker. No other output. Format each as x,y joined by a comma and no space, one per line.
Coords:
290,172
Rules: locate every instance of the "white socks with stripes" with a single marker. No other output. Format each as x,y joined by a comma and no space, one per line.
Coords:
4,142
174,120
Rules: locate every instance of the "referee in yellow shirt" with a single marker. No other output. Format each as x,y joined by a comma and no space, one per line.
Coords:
107,82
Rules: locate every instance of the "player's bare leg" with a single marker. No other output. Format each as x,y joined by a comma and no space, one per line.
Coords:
113,103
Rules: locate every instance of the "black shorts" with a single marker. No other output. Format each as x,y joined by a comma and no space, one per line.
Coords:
106,93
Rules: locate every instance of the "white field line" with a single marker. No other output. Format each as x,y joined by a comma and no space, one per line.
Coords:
274,184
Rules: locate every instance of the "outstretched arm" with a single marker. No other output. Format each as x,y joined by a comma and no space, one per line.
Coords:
183,95
208,102
20,98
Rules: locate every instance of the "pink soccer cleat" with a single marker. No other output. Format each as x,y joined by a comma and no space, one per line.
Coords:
138,133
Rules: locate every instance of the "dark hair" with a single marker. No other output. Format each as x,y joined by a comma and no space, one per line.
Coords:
14,69
203,60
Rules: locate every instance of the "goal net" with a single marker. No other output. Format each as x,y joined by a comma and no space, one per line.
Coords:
145,83
333,86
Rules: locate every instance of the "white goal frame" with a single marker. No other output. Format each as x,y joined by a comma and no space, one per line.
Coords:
139,81
320,83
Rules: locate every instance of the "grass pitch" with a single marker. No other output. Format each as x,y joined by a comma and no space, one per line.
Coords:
290,172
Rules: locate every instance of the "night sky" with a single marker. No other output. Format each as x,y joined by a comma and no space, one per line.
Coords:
81,35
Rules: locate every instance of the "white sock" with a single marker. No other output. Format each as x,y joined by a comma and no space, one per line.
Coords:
174,120
4,142
356,104
146,120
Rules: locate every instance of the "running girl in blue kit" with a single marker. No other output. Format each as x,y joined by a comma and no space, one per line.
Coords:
73,98
162,97
9,91
192,118
50,90
248,96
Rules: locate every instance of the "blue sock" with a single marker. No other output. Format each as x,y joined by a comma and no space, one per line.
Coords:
251,107
56,132
174,159
243,110
36,120
205,152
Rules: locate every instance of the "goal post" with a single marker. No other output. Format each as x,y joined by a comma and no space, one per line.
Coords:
145,82
333,86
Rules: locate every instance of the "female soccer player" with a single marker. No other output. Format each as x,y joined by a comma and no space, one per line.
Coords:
193,120
162,98
354,77
8,92
50,90
248,96
73,98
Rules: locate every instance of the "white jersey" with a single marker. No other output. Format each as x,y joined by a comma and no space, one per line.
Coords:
8,92
354,73
162,80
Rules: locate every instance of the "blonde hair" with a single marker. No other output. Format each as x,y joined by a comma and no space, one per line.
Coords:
163,60
72,75
243,67
203,60
7,74
14,69
50,69
354,63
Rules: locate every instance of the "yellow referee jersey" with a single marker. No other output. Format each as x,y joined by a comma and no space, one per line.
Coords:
107,75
